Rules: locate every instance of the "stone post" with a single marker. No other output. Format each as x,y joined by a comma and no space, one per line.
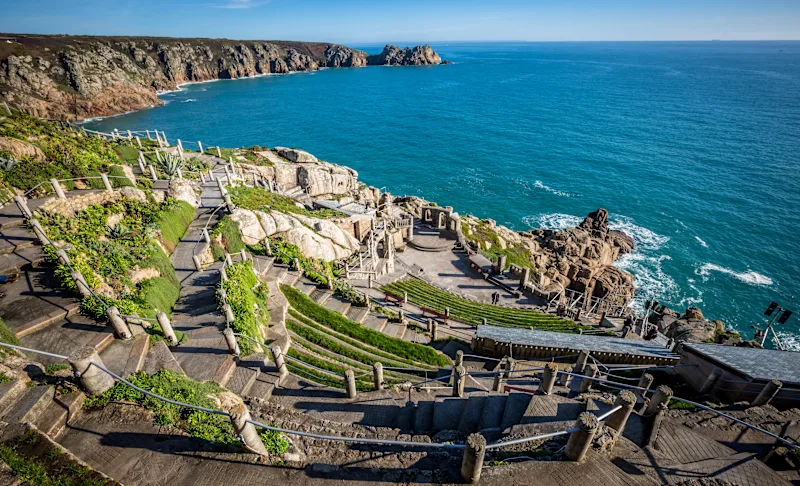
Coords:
525,278
498,378
153,174
63,258
179,144
230,340
223,275
202,178
296,264
221,186
655,426
138,141
80,283
243,254
39,231
147,132
767,393
179,174
411,230
446,312
580,441
130,135
166,328
434,330
472,462
377,375
484,321
459,380
58,189
580,363
267,246
501,263
198,265
459,358
646,381
106,183
548,379
211,175
662,395
164,137
350,384
228,174
246,431
200,146
586,383
617,420
22,204
369,281
219,152
94,380
229,317
118,323
228,259
280,364
711,381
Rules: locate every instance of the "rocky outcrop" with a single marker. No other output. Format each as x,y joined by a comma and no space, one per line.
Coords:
185,190
20,149
395,56
692,327
77,77
315,177
73,205
316,238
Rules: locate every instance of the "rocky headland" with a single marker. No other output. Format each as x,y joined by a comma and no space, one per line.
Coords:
79,77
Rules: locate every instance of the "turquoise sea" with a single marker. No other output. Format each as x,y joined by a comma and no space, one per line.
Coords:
693,147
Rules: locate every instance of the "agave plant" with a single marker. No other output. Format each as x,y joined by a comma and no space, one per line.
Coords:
8,163
5,123
118,232
170,165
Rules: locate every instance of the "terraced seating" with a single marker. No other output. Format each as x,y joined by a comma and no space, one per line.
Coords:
427,296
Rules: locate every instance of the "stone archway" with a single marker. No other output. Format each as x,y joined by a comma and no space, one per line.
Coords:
427,215
441,223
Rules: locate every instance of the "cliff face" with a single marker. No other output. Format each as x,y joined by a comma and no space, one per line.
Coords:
69,78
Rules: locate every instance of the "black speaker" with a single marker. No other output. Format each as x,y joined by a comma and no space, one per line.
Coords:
784,317
770,309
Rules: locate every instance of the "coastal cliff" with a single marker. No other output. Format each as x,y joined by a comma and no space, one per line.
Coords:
78,77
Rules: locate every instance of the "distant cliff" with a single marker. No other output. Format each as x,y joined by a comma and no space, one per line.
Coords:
78,77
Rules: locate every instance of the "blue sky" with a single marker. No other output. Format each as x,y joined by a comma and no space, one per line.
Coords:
354,21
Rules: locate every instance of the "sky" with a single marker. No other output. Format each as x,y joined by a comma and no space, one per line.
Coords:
379,21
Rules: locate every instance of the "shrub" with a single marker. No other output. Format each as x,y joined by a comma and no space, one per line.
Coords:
115,171
248,301
7,336
228,230
417,352
173,221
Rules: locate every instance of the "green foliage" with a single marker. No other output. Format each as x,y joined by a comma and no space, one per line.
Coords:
128,153
248,300
426,295
37,465
489,241
679,405
274,441
303,304
4,378
7,336
173,221
169,164
158,294
261,199
54,368
115,172
325,379
228,230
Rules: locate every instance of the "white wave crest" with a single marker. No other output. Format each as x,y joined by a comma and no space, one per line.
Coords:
791,342
651,281
555,221
748,277
542,185
190,100
702,243
645,239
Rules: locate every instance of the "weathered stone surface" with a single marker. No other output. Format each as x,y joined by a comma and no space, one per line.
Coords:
295,155
185,190
395,56
249,226
316,178
692,327
75,204
19,149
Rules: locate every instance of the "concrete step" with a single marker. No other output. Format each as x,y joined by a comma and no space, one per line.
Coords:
66,336
516,405
447,413
492,414
291,277
39,323
406,417
160,358
242,379
306,286
10,392
13,262
31,405
225,371
15,239
357,314
423,417
277,272
337,304
376,323
126,357
320,295
471,417
64,409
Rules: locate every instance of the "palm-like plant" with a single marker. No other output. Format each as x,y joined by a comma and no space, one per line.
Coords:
118,232
170,165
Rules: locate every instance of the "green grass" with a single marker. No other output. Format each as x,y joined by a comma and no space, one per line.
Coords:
37,463
7,336
159,294
489,241
470,311
259,198
128,153
228,230
54,368
248,300
173,222
178,387
116,171
4,378
328,318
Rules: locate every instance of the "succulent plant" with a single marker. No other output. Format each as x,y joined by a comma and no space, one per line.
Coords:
118,232
170,165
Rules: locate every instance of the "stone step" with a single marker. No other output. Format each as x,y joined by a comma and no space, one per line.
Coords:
10,392
471,417
242,379
406,417
13,262
160,358
447,413
11,217
357,314
492,414
31,405
306,286
291,277
277,272
376,323
66,336
126,357
516,406
15,239
320,296
62,410
337,304
423,417
224,371
39,323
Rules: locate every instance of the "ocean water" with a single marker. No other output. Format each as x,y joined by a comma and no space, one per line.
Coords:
693,147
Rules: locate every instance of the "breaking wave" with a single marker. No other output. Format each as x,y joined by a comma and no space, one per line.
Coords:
748,277
702,243
555,221
542,185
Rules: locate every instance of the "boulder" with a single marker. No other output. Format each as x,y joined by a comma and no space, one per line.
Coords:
185,190
249,226
295,155
20,149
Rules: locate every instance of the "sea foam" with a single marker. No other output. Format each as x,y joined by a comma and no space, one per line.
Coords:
748,277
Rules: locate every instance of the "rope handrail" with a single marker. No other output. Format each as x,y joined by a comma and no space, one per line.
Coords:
328,372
